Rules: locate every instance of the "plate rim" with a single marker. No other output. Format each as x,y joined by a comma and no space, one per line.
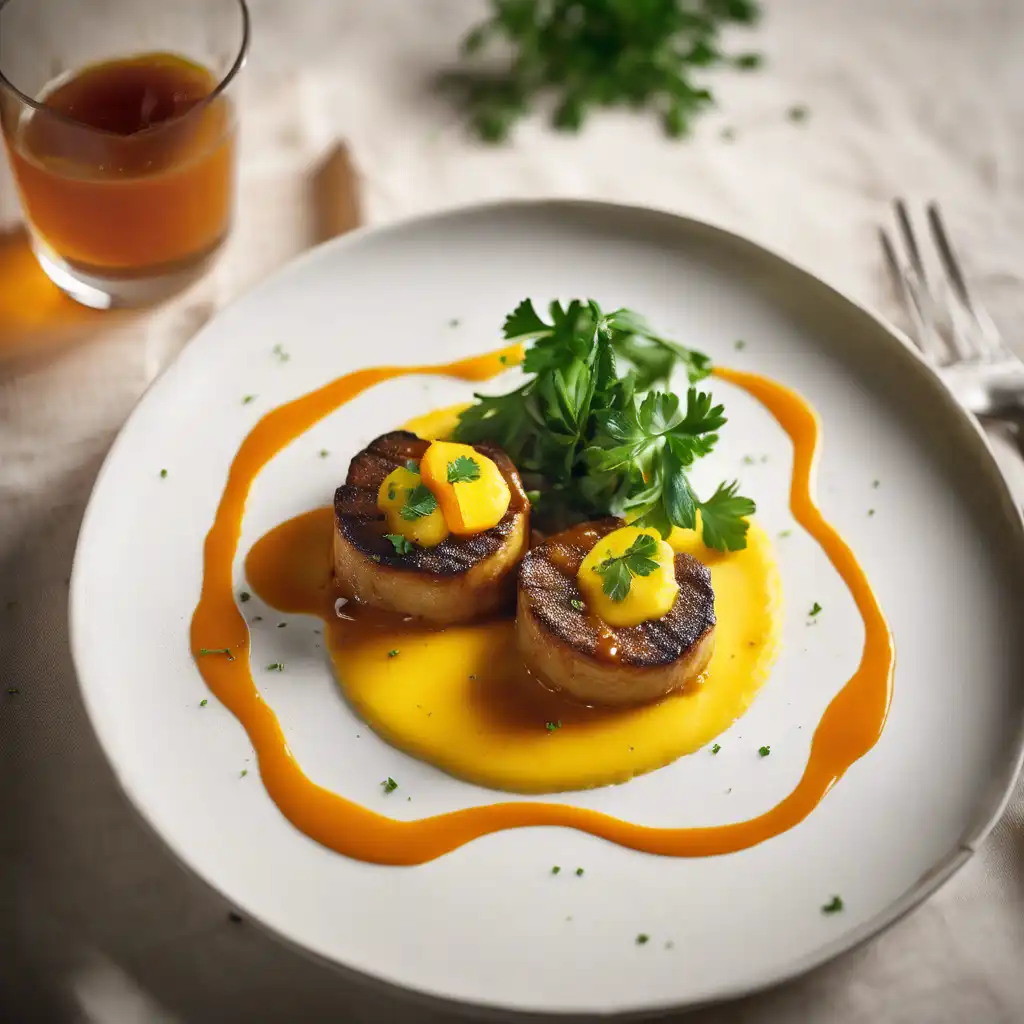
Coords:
990,810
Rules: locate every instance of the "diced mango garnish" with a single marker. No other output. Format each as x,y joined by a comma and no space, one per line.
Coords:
426,530
649,597
469,487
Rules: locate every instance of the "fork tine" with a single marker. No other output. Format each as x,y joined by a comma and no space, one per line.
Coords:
923,334
910,240
986,339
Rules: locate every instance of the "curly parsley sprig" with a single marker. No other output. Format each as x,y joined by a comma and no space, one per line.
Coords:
590,433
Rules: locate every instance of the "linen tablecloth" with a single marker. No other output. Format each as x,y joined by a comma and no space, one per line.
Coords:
921,98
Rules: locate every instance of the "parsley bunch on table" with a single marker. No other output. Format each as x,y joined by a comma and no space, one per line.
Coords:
599,53
592,436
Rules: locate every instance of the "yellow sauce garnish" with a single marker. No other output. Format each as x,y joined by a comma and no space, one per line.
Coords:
849,728
472,504
649,597
427,531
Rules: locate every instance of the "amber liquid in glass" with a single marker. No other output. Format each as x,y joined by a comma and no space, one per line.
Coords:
129,168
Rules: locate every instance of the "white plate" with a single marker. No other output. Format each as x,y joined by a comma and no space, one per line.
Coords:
489,924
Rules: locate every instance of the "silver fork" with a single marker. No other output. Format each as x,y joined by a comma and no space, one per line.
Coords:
952,330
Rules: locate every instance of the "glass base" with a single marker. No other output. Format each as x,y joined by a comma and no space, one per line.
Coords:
97,289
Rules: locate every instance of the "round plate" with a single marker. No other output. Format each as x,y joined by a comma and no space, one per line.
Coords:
904,475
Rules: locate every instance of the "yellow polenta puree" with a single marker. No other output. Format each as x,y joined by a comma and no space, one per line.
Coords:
459,698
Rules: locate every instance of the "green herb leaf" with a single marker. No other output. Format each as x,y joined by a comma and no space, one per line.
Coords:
463,470
642,940
163,474
716,748
402,545
203,703
815,610
596,54
393,653
275,666
218,650
833,906
419,502
242,774
552,726
617,572
389,785
579,872
413,466
247,399
764,751
594,435
577,604
555,870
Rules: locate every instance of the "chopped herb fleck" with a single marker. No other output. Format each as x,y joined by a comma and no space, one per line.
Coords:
749,460
163,474
454,322
642,939
12,690
815,609
739,345
256,618
577,604
413,466
798,113
785,533
275,666
876,484
871,511
463,470
579,872
279,351
218,650
402,545
552,726
716,748
833,906
555,870
764,751
389,785
242,774
244,596
281,625
324,453
203,703
393,653
248,398
503,360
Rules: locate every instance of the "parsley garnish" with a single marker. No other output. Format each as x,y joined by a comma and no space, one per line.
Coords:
402,545
275,666
815,609
413,466
577,604
579,872
242,774
642,939
588,426
597,54
463,470
454,322
163,474
248,398
389,785
324,453
716,748
203,703
419,502
244,596
279,351
617,571
739,345
798,113
833,906
393,653
555,870
764,751
552,726
218,650
785,533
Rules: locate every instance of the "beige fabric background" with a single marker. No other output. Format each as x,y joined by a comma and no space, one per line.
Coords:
922,98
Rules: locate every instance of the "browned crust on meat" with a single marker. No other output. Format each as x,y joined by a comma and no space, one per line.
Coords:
363,525
547,588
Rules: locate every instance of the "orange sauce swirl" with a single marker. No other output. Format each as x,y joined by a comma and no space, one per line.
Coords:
849,728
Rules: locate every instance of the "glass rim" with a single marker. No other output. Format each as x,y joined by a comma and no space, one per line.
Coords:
229,76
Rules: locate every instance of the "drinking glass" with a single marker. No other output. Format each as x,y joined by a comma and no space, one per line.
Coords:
119,119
